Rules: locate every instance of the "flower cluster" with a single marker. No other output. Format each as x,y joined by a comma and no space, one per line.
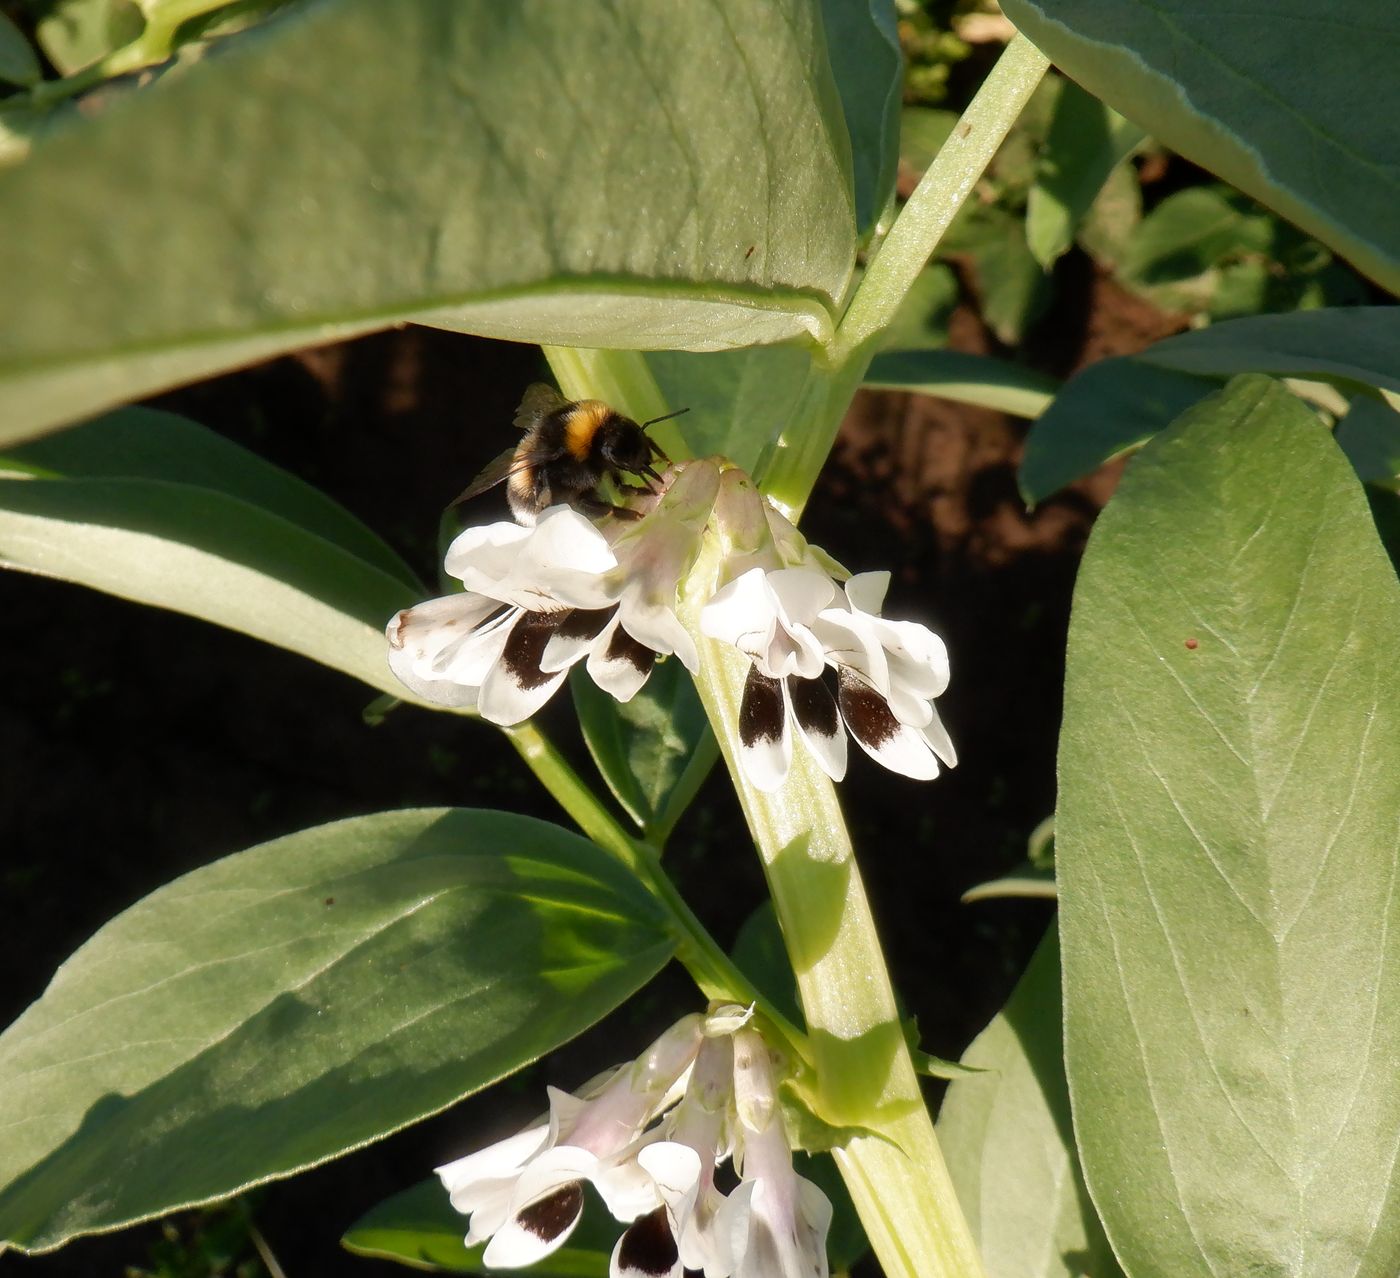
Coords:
823,661
650,1137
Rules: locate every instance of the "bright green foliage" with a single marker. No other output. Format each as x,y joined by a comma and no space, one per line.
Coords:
76,32
1110,407
1293,104
654,750
1085,142
170,514
1007,1136
451,190
291,1002
419,1228
969,379
1226,843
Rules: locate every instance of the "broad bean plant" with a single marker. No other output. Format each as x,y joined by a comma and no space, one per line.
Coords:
694,206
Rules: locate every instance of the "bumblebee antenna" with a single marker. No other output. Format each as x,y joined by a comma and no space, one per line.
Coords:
665,418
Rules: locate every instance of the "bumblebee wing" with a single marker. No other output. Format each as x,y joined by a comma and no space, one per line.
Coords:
495,473
537,403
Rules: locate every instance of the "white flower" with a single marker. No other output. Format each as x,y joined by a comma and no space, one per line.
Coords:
889,673
525,1193
542,598
774,1225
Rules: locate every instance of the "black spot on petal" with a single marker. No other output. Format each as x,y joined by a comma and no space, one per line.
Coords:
525,647
761,710
865,711
585,623
550,1216
648,1246
813,706
622,647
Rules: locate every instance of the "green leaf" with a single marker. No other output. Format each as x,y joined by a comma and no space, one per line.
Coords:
922,133
1010,1148
921,322
289,1003
1105,410
18,65
968,379
1113,218
1087,140
74,33
1014,290
145,443
1370,437
644,748
200,552
740,401
652,197
1293,105
862,41
1226,842
420,1228
760,954
1350,346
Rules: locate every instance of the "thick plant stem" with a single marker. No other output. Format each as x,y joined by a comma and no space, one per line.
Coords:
929,211
864,1074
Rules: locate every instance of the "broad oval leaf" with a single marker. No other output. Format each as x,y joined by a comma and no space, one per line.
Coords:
146,443
965,378
1102,411
419,1227
212,556
1005,1131
1294,104
294,1001
624,175
1227,847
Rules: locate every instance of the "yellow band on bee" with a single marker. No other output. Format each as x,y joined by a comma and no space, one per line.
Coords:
584,419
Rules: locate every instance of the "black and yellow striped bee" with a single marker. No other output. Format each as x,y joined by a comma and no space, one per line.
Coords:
569,447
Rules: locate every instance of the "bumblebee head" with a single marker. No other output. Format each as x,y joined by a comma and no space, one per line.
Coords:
623,445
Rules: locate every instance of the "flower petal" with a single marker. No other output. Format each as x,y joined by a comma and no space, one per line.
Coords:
647,1249
939,741
818,720
618,663
574,637
898,747
765,746
743,613
866,591
537,1229
515,687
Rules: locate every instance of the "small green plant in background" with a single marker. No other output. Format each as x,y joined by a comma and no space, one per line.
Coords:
704,210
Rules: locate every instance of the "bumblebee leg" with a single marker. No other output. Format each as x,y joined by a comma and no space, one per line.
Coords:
596,507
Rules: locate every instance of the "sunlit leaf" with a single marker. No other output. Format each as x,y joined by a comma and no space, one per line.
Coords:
1086,141
650,198
292,1002
1227,850
1006,1134
968,379
1293,104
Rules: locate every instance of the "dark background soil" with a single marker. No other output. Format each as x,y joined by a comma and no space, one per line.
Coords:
139,744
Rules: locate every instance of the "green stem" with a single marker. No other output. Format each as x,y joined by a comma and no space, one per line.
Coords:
865,1077
893,268
929,211
153,46
710,967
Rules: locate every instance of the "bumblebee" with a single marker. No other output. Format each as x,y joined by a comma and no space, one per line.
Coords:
569,447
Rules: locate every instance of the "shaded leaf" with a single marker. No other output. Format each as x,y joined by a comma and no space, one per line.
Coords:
1105,410
968,379
1229,789
1292,104
18,65
208,555
921,321
291,1002
449,192
646,748
146,443
1007,1136
1013,288
420,1228
1087,140
74,33
862,41
1370,437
